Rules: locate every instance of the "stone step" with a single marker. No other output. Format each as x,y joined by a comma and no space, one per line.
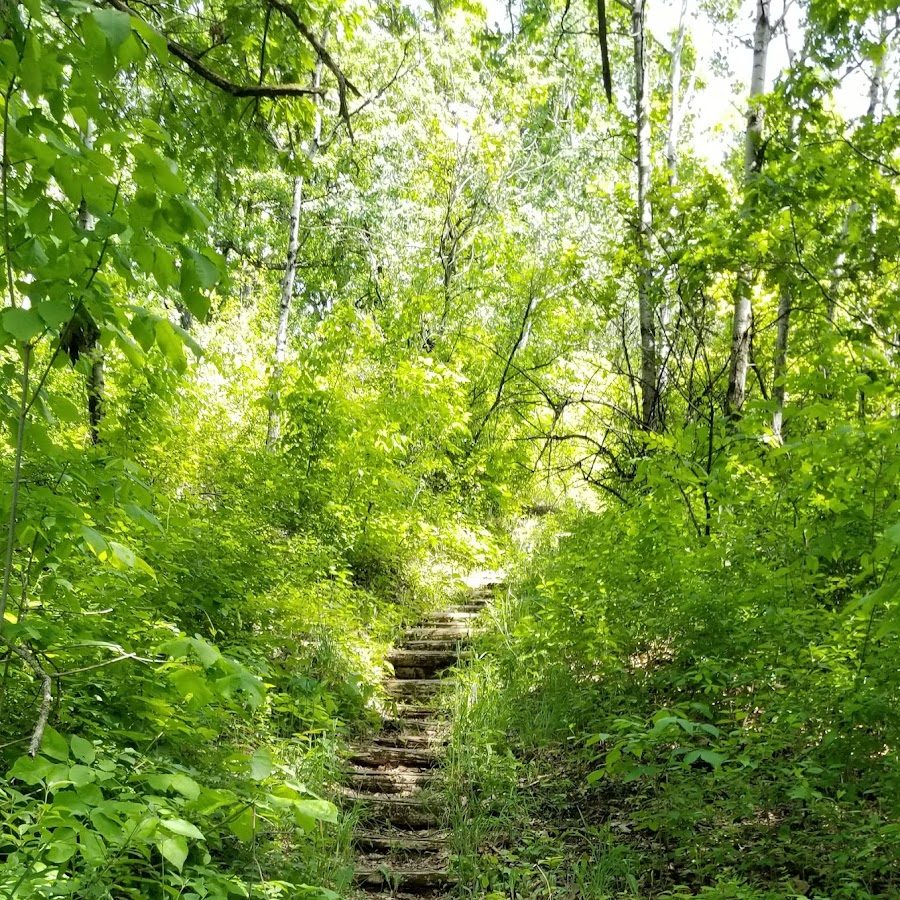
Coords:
394,757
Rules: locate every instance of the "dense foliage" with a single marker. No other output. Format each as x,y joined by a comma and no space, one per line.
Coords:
310,309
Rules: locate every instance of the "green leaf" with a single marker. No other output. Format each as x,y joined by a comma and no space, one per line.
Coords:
22,324
206,653
137,514
91,847
60,853
192,685
155,41
174,848
170,344
713,758
261,764
54,312
182,826
95,541
107,826
244,826
114,24
64,409
320,810
142,327
31,771
179,782
81,775
54,744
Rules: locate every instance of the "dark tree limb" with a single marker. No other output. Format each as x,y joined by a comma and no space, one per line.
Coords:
604,48
192,61
344,84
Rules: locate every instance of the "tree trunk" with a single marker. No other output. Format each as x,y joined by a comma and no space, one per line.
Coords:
672,136
785,302
290,275
649,361
743,305
96,382
675,97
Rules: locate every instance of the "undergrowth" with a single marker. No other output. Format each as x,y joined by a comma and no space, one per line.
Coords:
637,725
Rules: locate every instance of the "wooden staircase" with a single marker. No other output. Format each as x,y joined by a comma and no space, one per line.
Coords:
402,849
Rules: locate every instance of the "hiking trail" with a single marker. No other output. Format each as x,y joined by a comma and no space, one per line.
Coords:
402,846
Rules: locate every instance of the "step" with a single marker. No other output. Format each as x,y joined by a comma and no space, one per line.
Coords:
410,880
437,894
417,687
431,659
398,812
376,782
416,843
447,629
420,712
450,617
394,757
426,725
439,645
416,673
406,741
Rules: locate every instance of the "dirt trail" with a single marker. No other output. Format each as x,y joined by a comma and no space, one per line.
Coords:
402,848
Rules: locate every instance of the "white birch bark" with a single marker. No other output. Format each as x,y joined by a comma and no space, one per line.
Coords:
779,393
649,361
672,138
290,274
675,103
96,381
742,321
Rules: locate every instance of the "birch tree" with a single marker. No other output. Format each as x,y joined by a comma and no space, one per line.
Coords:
742,320
96,380
290,268
650,412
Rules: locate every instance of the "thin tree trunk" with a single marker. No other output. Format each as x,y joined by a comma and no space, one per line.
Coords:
96,381
675,97
742,321
290,275
785,303
649,361
672,136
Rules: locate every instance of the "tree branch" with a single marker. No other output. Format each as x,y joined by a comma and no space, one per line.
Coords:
46,692
192,61
344,84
